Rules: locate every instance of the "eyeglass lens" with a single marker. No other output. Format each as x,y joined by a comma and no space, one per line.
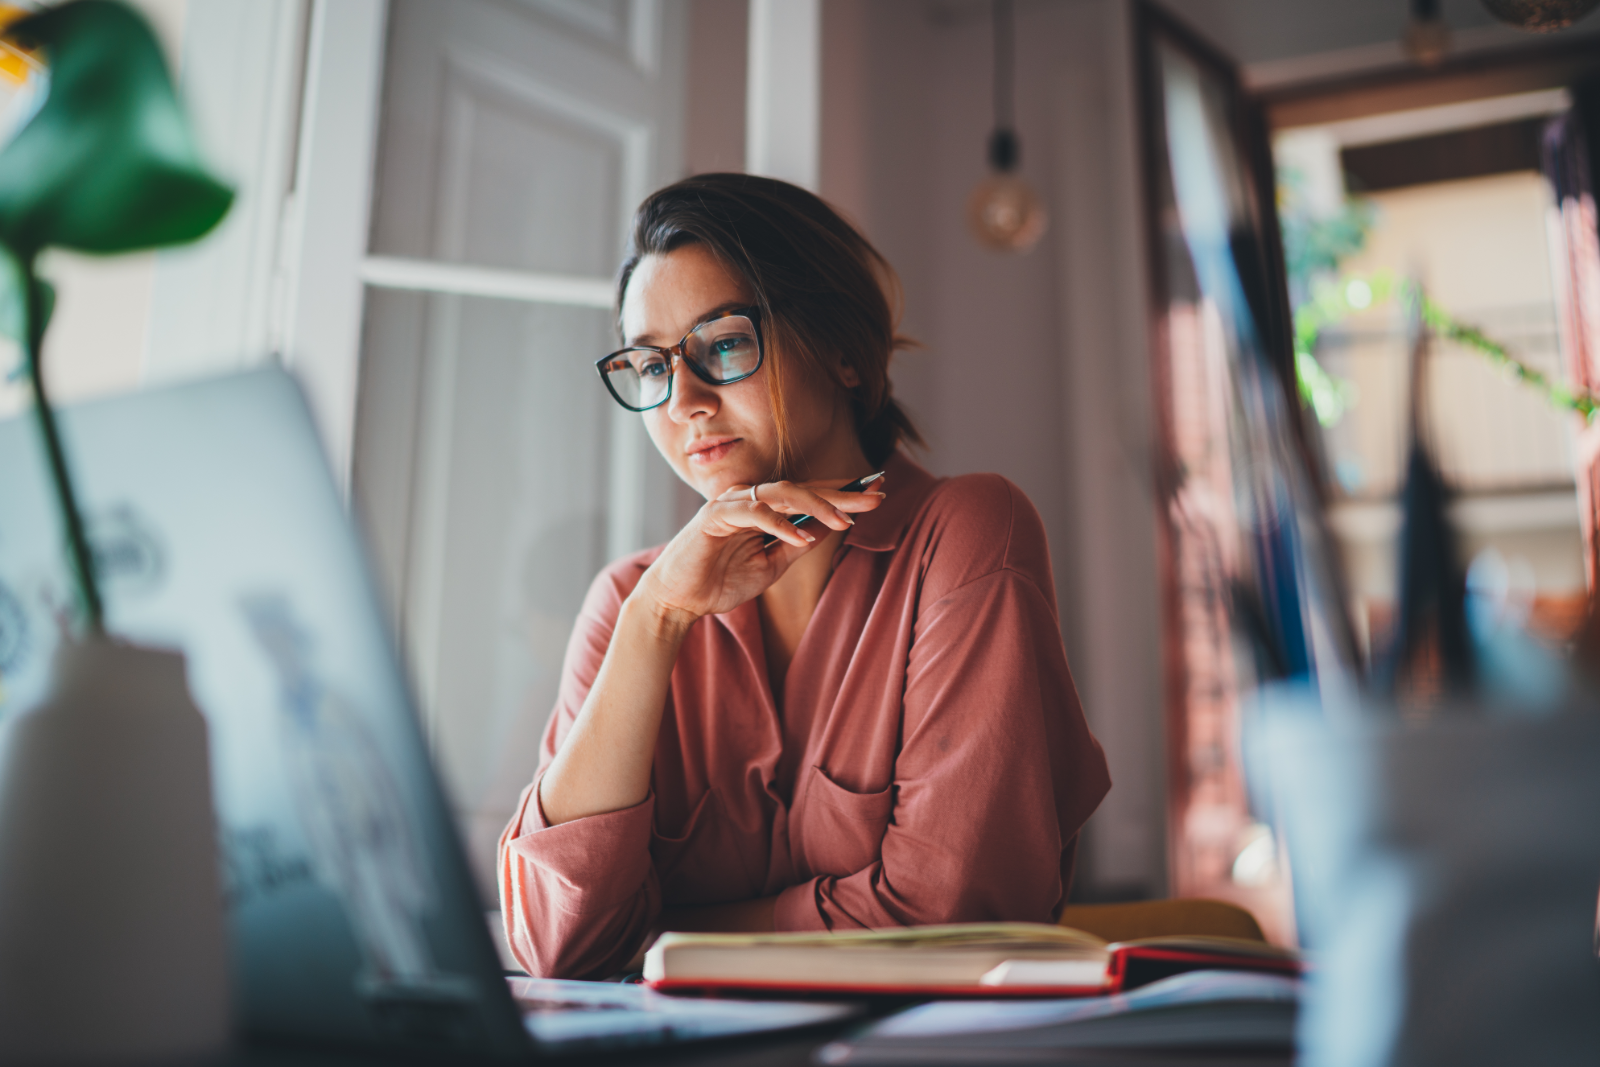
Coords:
720,351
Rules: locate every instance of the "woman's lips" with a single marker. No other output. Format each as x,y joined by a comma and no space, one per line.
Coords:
711,449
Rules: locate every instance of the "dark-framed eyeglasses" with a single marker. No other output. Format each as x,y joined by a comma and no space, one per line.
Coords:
722,350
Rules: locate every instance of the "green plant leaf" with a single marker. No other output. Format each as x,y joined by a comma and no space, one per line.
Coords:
108,163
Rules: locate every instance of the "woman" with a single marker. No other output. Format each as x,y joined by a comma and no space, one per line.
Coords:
870,722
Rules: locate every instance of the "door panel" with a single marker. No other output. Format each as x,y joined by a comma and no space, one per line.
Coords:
562,174
494,473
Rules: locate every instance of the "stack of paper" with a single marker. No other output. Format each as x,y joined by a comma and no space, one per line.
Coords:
1203,1011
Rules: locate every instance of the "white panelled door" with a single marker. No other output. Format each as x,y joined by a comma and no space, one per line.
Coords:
494,473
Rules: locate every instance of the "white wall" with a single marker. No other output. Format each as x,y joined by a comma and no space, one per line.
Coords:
1033,365
714,134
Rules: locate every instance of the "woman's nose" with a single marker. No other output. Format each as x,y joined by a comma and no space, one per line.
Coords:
690,396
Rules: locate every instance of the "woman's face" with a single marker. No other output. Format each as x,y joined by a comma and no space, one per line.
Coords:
720,436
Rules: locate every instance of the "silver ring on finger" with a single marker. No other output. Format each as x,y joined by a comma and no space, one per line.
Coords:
753,498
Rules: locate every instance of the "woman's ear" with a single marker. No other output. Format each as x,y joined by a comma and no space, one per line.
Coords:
847,374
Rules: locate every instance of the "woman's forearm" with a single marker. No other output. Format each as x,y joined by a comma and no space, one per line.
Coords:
604,764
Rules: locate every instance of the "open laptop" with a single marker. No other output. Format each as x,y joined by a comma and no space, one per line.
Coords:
217,530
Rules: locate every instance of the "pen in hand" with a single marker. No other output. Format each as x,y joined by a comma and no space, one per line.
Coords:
856,486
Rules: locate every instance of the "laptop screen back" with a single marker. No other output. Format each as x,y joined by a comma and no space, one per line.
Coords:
217,531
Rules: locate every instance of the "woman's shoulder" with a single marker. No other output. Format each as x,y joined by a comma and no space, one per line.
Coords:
983,497
974,525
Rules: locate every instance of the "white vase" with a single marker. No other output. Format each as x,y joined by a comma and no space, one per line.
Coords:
112,940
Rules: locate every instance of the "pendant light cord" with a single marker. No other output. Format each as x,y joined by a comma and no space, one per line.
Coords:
1004,83
1004,151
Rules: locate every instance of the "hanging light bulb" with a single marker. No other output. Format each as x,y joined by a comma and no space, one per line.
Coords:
1427,38
1003,211
1540,16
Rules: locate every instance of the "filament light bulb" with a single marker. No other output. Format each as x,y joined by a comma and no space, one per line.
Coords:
1003,211
1005,215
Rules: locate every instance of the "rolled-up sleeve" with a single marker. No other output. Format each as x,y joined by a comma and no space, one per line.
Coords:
578,898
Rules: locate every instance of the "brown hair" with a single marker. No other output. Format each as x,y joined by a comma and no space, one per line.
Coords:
823,290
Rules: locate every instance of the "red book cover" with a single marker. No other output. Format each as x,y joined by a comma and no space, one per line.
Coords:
1135,965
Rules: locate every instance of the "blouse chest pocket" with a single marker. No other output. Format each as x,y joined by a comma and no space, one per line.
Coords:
838,830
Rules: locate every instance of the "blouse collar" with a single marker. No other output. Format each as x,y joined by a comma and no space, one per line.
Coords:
881,529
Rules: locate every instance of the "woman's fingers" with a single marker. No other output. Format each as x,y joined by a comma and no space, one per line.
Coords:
854,502
735,514
827,506
850,502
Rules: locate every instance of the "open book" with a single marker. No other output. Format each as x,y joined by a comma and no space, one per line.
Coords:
972,959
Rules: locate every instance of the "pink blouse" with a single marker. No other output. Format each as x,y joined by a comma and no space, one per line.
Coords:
929,761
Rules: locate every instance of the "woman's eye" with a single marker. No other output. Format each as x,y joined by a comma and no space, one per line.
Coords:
653,369
730,346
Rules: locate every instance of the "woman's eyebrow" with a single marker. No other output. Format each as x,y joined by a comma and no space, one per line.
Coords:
648,338
720,309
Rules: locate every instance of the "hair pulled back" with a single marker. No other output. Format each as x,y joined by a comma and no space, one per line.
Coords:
828,299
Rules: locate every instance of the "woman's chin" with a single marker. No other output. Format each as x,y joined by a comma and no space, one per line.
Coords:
712,484
713,487
709,484
713,479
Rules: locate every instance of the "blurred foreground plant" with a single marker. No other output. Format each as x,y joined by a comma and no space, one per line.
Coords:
107,164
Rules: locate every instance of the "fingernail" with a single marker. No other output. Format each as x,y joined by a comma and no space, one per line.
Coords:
847,518
808,535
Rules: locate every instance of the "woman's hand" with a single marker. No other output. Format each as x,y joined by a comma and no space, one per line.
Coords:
717,562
